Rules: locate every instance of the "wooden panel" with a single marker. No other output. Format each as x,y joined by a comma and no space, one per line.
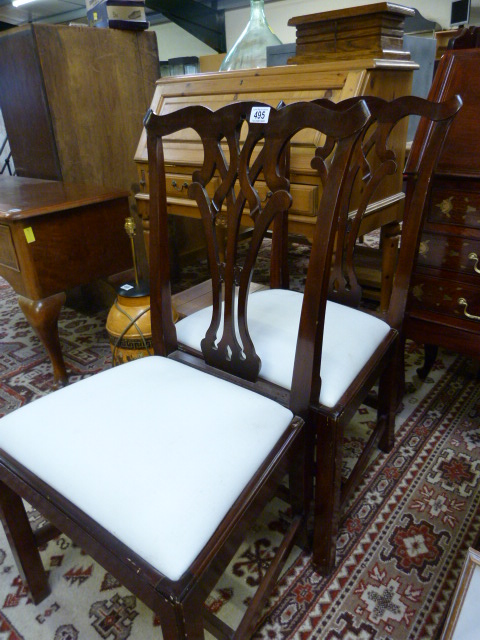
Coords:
449,252
457,73
74,98
100,83
429,293
25,108
8,257
83,234
177,185
273,83
455,203
290,84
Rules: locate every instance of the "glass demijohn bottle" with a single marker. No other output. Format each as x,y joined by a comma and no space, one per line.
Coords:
250,50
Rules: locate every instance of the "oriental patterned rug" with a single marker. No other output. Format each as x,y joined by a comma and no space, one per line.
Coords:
403,539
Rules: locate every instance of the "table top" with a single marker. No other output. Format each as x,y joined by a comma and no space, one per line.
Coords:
22,198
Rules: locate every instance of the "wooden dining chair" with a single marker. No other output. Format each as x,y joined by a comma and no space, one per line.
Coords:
158,467
372,353
332,353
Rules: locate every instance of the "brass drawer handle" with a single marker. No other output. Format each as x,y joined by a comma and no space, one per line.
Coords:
473,256
181,188
464,303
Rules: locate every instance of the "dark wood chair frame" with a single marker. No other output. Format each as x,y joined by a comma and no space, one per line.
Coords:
228,276
180,604
375,161
372,162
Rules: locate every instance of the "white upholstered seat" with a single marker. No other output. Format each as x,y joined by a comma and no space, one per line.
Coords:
150,454
351,337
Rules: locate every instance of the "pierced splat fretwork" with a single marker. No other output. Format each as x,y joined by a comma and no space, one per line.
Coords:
238,154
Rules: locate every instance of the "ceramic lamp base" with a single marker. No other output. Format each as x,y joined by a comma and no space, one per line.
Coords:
129,326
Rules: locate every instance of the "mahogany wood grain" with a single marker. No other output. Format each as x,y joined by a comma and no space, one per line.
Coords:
445,269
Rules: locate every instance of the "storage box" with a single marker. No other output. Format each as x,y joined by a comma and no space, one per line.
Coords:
118,14
367,31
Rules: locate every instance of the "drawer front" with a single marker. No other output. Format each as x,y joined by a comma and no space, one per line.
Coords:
177,185
455,207
8,256
305,196
142,170
445,297
449,252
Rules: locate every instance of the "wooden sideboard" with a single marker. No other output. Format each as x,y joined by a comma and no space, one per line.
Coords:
444,299
55,236
335,80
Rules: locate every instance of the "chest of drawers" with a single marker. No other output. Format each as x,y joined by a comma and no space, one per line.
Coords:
444,298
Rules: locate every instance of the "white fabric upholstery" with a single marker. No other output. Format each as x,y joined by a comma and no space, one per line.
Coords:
350,338
153,450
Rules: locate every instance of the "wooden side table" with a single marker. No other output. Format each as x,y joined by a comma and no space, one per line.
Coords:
55,236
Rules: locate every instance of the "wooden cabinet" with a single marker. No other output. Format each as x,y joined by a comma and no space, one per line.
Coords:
55,236
444,298
73,99
335,80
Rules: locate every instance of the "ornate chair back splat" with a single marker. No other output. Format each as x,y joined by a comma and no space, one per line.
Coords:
238,159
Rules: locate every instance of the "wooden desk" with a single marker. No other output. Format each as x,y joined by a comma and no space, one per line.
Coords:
335,80
55,236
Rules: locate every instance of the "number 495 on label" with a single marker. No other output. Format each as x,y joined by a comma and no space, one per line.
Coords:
259,114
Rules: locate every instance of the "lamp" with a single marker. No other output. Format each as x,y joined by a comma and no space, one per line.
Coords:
128,322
